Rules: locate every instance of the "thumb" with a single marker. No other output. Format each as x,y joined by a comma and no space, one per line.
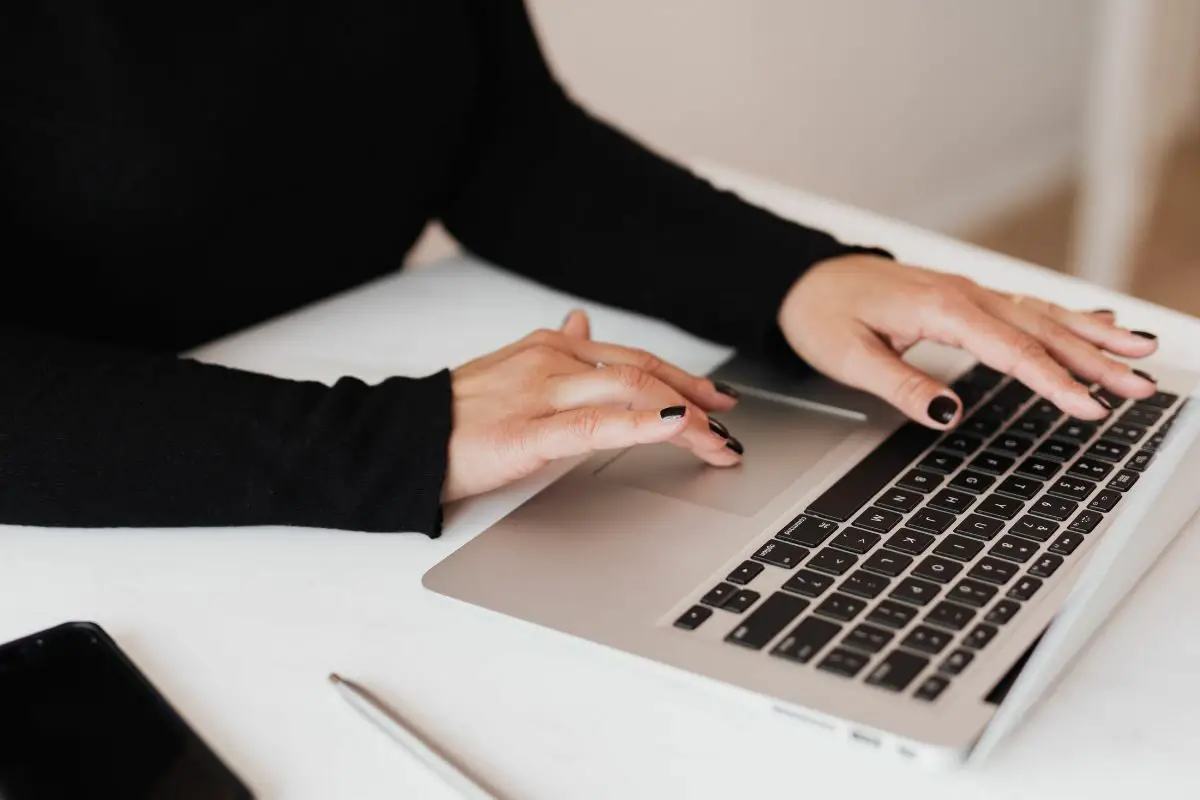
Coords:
576,325
876,368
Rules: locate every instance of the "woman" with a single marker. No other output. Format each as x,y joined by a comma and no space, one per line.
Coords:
174,172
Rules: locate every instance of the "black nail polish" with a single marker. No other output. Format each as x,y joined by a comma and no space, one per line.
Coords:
1144,335
942,409
1108,311
1102,400
673,412
1145,376
735,446
727,390
720,430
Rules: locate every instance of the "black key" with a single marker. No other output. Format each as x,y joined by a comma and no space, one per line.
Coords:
808,531
970,481
1085,522
806,639
1123,481
1091,469
980,636
944,463
747,572
1011,443
808,583
1110,400
958,547
841,606
897,670
1066,543
864,584
1024,589
1039,468
931,688
999,506
1161,400
868,637
1020,486
931,520
1108,451
972,593
855,540
1043,409
846,663
741,601
1053,507
718,595
1057,450
1105,501
1141,415
993,570
900,499
915,591
886,563
1141,459
1046,565
834,562
956,662
1072,488
920,480
980,375
937,569
1129,434
979,527
1154,442
950,615
961,442
992,463
952,501
692,618
911,542
869,476
1035,528
927,639
1008,399
877,519
781,554
1030,426
1014,548
1076,431
1002,612
766,621
892,614
980,425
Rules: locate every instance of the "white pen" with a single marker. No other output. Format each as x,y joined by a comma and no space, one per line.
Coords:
390,722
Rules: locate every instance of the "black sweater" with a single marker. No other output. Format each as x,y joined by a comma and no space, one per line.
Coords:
172,172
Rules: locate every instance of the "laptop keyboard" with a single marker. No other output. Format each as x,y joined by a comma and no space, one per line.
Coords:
911,564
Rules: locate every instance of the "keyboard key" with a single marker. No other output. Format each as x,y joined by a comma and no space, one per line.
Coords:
892,614
1011,443
1105,501
1046,565
1066,543
872,474
931,688
1141,415
912,542
972,593
741,601
1072,488
979,527
807,531
1020,486
1014,548
1123,481
692,618
1002,612
1053,507
981,376
937,569
846,663
747,572
960,442
1008,400
993,570
1154,442
902,500
931,520
1043,409
841,606
921,481
806,639
1141,459
1030,426
1035,528
1091,469
915,591
834,562
992,463
868,638
1024,589
1085,522
1075,430
766,621
999,506
1041,468
1128,434
864,584
974,482
958,547
1057,450
927,639
717,596
1108,451
980,636
980,425
956,662
897,670
943,463
781,554
1160,400
953,501
877,519
855,540
808,583
889,564
950,615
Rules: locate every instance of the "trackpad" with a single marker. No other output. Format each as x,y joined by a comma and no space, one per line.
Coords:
782,443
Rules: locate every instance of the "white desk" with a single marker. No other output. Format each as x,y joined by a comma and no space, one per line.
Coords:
239,627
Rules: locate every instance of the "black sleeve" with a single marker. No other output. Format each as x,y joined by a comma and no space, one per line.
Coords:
93,436
549,191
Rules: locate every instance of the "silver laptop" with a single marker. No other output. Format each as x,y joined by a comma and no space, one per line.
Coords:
912,591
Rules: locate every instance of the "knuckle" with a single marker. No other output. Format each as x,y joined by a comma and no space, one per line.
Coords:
960,284
939,298
537,357
632,378
584,423
1026,349
910,392
647,361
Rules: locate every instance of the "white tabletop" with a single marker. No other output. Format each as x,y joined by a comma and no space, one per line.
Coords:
239,627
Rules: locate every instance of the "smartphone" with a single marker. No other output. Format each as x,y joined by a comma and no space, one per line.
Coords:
78,719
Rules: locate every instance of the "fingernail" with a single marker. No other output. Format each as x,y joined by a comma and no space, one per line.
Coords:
672,412
1145,376
726,389
942,409
1104,401
1144,335
735,446
1107,311
720,430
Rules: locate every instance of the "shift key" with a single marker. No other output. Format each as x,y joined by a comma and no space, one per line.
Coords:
767,621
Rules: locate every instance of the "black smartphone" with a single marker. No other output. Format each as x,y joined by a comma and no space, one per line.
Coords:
79,719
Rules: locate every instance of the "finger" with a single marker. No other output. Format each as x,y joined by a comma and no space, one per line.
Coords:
874,367
585,430
577,325
1098,327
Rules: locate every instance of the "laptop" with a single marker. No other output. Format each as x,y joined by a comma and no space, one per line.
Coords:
909,590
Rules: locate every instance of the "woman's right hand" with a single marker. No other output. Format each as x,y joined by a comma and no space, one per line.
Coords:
556,394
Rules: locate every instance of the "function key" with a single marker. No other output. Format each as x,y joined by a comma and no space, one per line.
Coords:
1108,451
1011,443
717,596
956,662
1066,543
950,615
1014,548
931,688
1160,400
832,561
855,540
868,637
979,527
887,563
1123,481
1085,522
1091,469
1075,430
1072,488
745,573
993,570
975,482
781,554
953,501
1039,468
1035,528
1030,426
1129,434
958,547
1141,415
1020,486
961,442
741,601
806,640
973,593
992,463
808,531
892,614
841,606
931,520
864,584
943,463
692,618
915,591
999,506
767,621
1002,612
911,542
980,636
1046,565
899,499
1054,508
1024,589
897,670
1141,459
980,425
1057,450
937,569
927,639
920,481
808,583
877,519
1105,501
